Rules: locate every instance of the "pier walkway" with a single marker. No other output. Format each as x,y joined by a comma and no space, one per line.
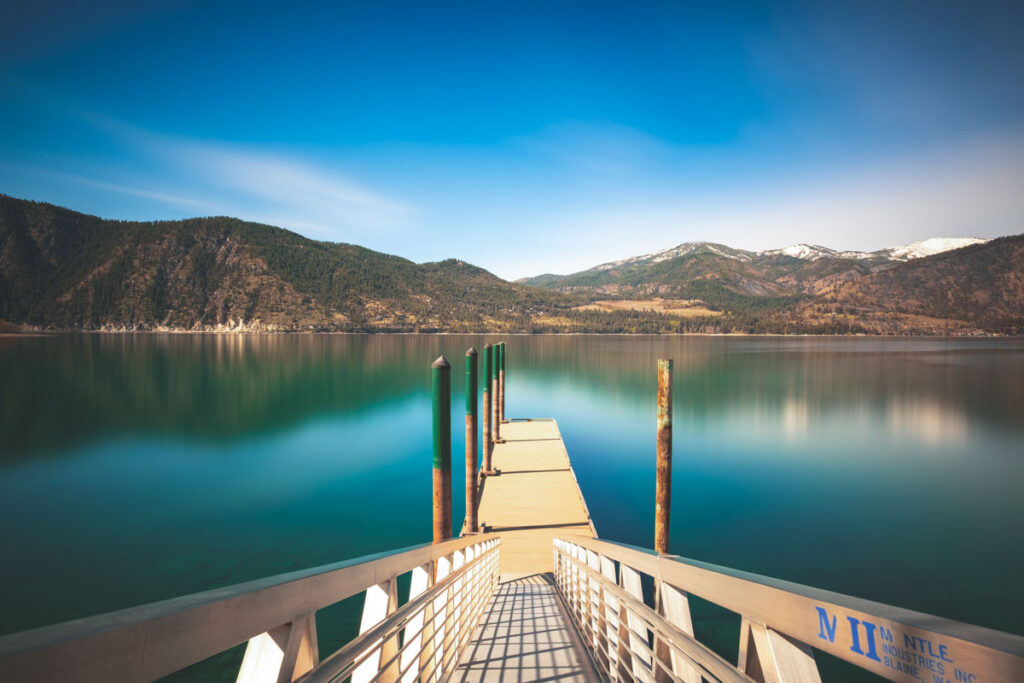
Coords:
534,497
525,633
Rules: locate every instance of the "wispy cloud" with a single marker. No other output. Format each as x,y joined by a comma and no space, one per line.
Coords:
184,201
226,178
566,198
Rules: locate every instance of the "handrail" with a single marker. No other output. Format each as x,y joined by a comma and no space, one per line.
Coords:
714,666
896,643
147,642
342,660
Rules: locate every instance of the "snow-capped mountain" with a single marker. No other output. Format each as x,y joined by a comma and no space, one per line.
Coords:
929,247
906,252
804,252
807,252
685,249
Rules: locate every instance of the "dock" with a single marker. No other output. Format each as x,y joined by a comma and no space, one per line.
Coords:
525,631
527,592
534,497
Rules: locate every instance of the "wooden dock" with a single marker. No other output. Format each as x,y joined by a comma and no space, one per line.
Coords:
525,633
534,497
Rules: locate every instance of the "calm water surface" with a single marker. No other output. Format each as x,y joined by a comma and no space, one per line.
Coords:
136,468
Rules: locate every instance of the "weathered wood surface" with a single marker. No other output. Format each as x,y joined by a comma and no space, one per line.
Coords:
534,497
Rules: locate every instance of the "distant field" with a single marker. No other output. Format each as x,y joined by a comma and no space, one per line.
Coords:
684,308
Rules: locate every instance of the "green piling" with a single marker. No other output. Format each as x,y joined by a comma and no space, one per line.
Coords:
488,361
440,371
471,434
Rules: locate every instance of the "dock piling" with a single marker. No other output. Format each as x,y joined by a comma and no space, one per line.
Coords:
495,398
663,489
486,441
471,434
440,371
501,384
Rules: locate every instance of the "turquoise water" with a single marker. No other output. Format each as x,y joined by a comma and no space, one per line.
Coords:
136,468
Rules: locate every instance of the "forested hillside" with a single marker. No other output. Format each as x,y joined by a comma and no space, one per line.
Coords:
981,285
59,268
64,270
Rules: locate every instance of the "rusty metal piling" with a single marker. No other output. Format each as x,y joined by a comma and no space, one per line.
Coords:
440,371
471,434
495,397
663,489
501,384
486,441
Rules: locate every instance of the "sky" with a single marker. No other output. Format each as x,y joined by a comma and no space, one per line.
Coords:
525,137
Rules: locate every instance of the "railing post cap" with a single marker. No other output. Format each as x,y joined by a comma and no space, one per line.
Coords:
487,346
441,362
471,351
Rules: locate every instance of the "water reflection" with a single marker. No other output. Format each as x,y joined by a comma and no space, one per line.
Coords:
928,421
64,390
889,469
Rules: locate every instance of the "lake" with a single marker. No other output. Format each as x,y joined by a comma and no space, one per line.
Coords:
139,467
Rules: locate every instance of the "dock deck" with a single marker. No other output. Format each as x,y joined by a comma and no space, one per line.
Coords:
534,497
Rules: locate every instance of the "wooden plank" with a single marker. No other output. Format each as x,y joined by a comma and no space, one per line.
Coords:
535,496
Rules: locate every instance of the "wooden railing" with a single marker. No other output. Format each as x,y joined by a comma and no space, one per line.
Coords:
632,639
450,584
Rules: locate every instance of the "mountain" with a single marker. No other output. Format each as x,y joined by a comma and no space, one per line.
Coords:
929,247
724,276
980,286
906,252
936,286
720,276
63,269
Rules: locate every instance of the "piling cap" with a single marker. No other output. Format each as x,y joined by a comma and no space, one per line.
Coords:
441,362
471,351
486,346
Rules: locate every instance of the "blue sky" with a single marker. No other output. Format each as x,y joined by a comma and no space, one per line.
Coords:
525,137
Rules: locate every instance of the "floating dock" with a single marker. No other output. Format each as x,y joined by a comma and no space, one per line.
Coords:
534,497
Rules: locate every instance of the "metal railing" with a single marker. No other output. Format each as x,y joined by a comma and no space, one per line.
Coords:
603,585
450,584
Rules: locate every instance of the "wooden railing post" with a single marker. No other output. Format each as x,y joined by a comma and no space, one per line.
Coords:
675,607
636,631
433,654
663,490
421,580
380,601
594,601
281,655
441,380
471,434
769,656
611,608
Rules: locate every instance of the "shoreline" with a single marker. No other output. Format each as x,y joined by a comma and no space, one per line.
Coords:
38,333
